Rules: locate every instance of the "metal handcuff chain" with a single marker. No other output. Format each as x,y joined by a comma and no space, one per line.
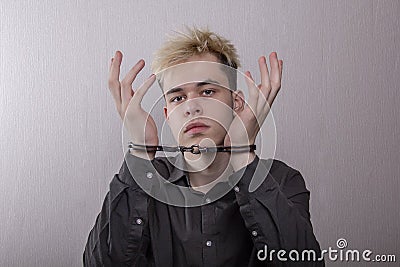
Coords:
194,149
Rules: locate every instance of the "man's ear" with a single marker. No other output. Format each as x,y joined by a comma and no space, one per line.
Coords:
238,100
166,113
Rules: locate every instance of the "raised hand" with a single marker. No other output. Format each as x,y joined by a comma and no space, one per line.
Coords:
249,119
139,123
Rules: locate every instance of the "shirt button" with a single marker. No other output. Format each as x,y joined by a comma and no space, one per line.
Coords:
208,243
139,221
236,188
208,200
149,175
254,233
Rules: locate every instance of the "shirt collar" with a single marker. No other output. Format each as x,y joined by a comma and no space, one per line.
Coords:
178,167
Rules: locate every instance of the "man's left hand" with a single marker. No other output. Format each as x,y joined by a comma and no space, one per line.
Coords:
249,118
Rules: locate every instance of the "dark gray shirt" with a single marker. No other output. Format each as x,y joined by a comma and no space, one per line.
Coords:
213,234
134,229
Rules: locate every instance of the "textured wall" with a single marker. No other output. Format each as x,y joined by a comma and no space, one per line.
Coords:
336,114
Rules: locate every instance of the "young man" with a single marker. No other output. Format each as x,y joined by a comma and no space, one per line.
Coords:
238,227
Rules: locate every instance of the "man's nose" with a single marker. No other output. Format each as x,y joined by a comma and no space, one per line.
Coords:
193,107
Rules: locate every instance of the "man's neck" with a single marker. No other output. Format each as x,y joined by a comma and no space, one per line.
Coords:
206,169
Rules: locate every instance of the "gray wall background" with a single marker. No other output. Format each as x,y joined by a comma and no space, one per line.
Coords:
336,114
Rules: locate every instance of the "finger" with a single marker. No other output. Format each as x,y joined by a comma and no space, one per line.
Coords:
280,72
113,80
126,83
133,72
142,90
265,86
109,67
275,77
115,66
270,90
275,72
253,92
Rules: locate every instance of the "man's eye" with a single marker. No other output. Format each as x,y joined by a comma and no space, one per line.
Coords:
176,99
208,92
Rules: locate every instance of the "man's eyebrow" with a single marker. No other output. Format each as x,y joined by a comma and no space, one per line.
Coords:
199,84
208,81
173,90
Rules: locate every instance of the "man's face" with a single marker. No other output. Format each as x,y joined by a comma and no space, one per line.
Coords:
198,103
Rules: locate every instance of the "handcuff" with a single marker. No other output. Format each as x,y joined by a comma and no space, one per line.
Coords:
194,149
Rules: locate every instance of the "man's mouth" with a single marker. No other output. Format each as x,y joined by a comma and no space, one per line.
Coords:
196,127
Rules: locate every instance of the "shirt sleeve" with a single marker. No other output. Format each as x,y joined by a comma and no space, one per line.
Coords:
277,213
120,234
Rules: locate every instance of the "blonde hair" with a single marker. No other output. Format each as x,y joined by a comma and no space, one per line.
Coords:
195,41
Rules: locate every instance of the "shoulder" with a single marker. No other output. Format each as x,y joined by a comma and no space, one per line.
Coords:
279,169
283,173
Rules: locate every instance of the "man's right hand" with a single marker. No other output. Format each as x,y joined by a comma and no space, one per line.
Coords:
138,122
